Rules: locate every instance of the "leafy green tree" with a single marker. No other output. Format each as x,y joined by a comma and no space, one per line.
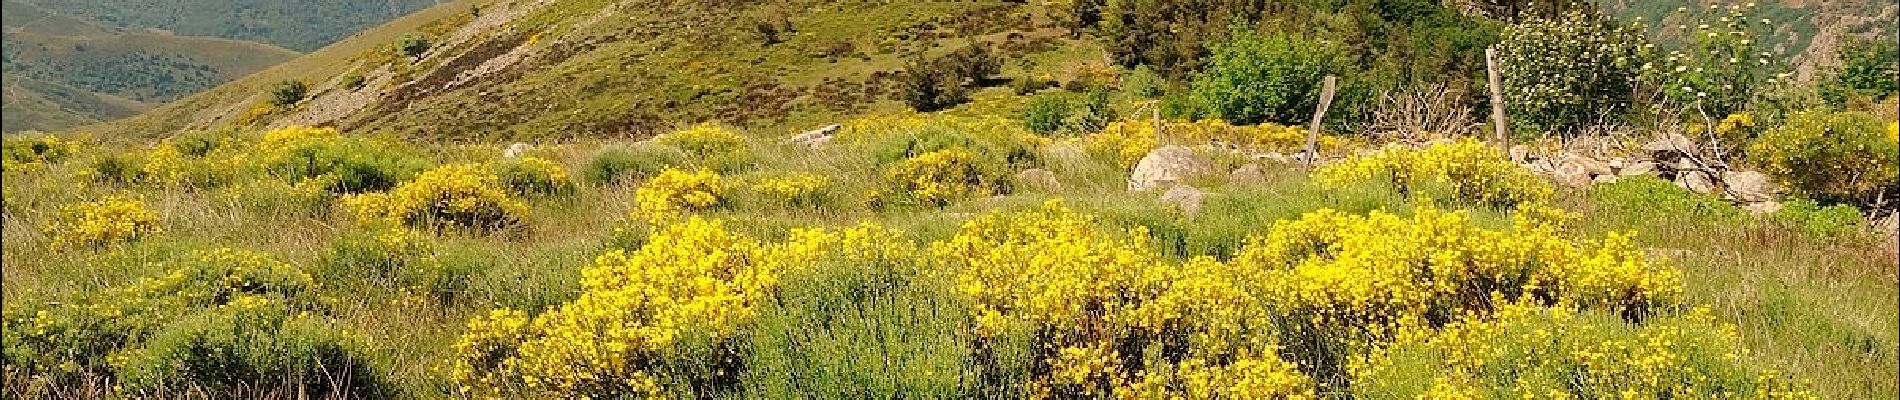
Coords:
288,92
1258,78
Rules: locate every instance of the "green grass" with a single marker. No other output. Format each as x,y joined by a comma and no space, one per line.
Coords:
1817,307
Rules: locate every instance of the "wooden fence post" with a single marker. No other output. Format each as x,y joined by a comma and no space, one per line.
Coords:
1497,99
1312,131
1160,139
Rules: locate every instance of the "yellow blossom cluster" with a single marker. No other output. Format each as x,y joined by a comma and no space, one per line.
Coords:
26,152
704,140
674,192
112,219
792,190
1127,141
1465,170
533,176
463,195
693,280
1380,268
939,177
1529,351
1087,293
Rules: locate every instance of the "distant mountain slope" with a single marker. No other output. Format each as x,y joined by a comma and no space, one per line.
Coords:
63,71
567,68
303,25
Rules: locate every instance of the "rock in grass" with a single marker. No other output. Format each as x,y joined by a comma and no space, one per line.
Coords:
1247,175
1750,186
1168,166
814,138
516,150
1762,208
1187,198
1696,181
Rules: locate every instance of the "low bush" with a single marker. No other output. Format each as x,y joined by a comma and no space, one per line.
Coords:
34,150
675,192
288,92
1830,222
533,177
1645,200
251,347
620,164
936,178
1465,171
794,190
396,259
452,196
344,164
1833,156
111,220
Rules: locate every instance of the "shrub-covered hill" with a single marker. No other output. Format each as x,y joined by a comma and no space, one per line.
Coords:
63,72
606,68
299,25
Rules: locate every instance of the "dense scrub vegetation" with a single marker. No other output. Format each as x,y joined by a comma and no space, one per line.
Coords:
956,238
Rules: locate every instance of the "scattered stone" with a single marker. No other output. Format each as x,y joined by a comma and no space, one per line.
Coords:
1038,178
1571,175
1273,156
814,138
1168,166
516,150
1520,153
1696,181
1638,168
1186,197
1247,175
1589,165
1750,186
1760,208
1604,179
1671,144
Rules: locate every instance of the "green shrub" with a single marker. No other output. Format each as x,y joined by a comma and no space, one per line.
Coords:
1045,113
1867,71
619,164
1832,156
1143,82
412,45
394,259
1820,222
533,176
348,164
1258,78
34,150
118,168
288,92
353,81
251,350
942,82
1644,200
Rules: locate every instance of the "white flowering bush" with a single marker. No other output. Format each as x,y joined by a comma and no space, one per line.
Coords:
1561,74
1719,70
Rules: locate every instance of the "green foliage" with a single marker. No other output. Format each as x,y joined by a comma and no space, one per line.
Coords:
252,348
1143,82
349,164
288,92
1721,67
412,45
1045,113
1563,74
1258,78
397,260
1822,222
619,164
1832,156
1640,200
533,176
1867,71
353,81
33,150
943,82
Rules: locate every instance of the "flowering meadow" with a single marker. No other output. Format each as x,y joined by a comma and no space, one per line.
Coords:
904,259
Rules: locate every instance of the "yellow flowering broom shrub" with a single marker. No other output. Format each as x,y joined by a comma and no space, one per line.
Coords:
940,177
1526,351
1828,155
1097,301
1126,142
674,192
27,152
704,140
113,219
1463,171
794,190
461,195
693,282
533,176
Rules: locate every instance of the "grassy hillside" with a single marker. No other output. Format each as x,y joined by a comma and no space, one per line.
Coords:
298,25
72,67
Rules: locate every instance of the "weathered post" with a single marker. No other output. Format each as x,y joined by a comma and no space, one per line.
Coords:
1497,99
1160,139
1312,131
